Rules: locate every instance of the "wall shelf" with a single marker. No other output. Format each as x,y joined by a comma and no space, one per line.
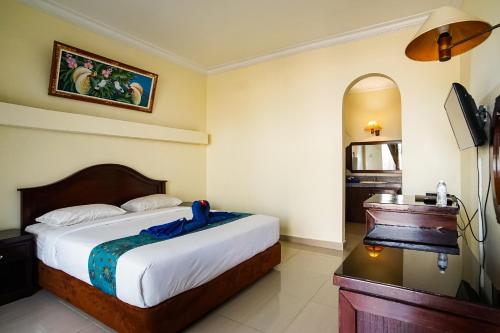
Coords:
36,118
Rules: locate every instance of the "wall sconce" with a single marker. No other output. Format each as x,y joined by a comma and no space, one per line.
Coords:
374,250
373,127
448,32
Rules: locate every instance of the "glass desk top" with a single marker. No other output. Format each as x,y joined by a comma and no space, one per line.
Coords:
456,276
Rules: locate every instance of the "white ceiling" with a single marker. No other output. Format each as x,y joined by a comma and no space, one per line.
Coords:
213,33
372,83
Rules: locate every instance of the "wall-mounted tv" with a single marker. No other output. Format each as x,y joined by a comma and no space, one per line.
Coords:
464,118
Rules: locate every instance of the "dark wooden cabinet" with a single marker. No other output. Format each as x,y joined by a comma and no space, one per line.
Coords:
355,196
405,290
407,221
360,313
17,265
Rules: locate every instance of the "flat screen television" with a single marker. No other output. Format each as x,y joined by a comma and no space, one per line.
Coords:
464,119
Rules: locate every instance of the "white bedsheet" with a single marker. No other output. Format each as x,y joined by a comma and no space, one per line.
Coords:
150,274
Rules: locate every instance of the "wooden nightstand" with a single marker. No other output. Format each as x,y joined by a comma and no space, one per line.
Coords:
17,265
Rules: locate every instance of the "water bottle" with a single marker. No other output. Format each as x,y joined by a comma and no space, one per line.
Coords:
442,262
441,199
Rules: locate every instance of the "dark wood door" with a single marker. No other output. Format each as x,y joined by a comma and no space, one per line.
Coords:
355,196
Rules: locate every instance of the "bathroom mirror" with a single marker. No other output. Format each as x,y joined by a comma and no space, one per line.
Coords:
374,157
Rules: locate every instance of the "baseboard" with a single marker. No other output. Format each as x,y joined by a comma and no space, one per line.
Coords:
313,242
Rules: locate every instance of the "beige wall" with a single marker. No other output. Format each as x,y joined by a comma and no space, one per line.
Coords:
27,36
276,127
35,157
277,131
384,106
480,73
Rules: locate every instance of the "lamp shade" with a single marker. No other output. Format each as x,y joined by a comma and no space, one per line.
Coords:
458,26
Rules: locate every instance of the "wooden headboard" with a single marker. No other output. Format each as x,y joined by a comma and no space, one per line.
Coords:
112,184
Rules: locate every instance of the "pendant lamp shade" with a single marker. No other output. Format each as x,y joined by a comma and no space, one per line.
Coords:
444,28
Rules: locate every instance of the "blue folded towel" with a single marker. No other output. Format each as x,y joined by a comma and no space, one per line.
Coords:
202,216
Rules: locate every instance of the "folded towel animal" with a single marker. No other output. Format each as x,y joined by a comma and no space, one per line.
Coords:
202,216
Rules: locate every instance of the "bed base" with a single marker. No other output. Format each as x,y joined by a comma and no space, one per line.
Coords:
171,315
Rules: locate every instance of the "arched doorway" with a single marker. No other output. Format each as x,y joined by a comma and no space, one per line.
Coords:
372,140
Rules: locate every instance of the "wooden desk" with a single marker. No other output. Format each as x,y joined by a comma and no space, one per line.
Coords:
402,290
402,221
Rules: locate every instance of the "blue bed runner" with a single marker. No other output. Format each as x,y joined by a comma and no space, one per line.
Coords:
104,257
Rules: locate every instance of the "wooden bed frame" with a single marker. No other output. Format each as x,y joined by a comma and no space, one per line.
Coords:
115,184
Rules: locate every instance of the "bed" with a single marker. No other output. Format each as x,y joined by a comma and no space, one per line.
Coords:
164,286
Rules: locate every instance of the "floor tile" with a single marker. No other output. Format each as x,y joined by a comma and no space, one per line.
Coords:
217,323
287,252
250,300
87,316
312,262
327,295
93,328
315,318
301,283
276,314
40,302
101,325
314,249
52,319
354,235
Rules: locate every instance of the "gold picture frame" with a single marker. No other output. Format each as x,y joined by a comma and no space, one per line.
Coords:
85,76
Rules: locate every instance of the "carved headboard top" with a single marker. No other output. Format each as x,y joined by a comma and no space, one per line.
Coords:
112,184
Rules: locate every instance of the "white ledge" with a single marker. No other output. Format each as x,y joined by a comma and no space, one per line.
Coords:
29,117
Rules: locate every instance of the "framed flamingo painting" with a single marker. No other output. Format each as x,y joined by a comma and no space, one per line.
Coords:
85,76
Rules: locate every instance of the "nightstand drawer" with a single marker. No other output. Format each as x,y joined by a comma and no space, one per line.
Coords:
14,253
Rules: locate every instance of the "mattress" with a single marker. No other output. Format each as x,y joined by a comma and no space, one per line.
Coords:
153,273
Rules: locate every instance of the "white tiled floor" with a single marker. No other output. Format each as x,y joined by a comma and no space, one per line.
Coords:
296,296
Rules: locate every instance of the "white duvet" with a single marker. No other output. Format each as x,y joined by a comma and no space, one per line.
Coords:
150,274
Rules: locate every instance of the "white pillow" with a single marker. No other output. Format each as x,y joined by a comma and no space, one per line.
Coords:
149,202
78,214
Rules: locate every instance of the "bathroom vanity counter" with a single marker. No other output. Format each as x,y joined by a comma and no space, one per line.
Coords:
357,193
375,184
